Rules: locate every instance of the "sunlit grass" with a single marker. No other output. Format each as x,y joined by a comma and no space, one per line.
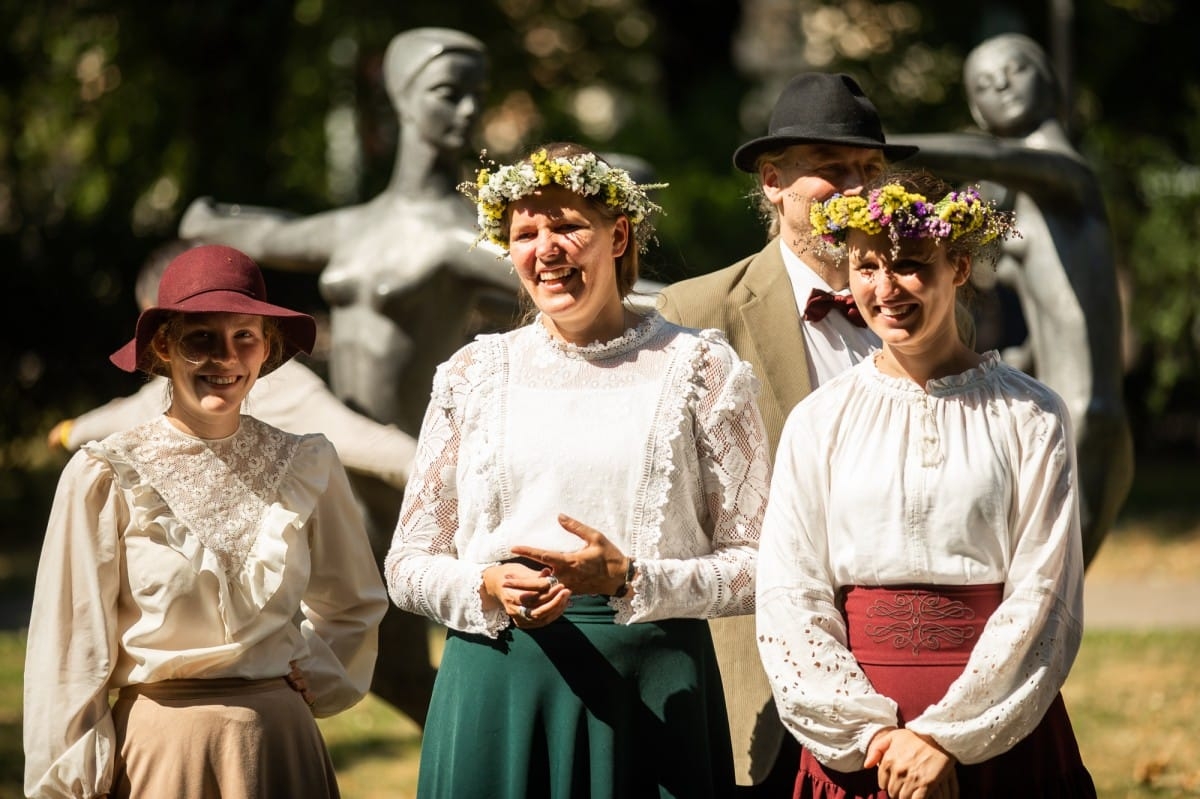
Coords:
1132,697
1135,706
375,750
12,760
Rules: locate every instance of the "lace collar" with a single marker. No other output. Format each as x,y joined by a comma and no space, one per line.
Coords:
628,341
220,489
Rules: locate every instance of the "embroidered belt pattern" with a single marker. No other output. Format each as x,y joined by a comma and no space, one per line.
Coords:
920,621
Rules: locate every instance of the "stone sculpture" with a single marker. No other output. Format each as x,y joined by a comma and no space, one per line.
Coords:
404,284
1062,268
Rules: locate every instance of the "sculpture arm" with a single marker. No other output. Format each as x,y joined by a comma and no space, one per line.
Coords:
119,413
479,261
1039,172
271,236
363,444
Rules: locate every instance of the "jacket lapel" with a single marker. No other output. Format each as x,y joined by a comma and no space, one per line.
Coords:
772,326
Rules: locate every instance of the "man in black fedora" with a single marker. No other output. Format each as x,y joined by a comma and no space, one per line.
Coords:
787,311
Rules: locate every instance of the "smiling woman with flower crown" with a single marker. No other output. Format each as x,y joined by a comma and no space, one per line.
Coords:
920,581
588,489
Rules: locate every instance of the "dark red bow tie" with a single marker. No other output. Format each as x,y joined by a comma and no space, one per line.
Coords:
821,302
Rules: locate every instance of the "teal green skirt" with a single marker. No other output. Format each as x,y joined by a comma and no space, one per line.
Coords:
582,708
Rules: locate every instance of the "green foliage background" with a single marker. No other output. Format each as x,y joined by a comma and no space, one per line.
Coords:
117,113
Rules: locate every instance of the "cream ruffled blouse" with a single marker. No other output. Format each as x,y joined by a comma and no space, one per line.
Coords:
168,556
653,438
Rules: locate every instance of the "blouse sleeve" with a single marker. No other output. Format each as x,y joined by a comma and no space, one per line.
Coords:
424,574
72,645
345,599
821,694
734,467
1025,651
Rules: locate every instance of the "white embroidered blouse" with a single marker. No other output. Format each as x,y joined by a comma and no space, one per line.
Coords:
653,438
167,557
881,483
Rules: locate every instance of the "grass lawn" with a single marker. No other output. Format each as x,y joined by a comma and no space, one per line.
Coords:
1135,707
1132,698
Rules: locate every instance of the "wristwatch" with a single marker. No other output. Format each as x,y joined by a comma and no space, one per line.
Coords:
630,570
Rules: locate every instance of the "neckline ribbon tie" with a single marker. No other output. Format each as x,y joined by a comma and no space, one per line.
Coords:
821,302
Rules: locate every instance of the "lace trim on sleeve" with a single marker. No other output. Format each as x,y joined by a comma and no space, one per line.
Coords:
424,574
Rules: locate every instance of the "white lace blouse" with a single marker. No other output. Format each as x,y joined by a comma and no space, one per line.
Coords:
168,557
880,483
653,438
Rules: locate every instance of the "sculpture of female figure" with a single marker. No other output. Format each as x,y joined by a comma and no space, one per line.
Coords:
1062,266
404,285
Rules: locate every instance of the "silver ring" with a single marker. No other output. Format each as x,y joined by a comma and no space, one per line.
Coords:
551,581
526,613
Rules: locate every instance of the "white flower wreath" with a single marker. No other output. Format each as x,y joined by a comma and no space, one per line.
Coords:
585,175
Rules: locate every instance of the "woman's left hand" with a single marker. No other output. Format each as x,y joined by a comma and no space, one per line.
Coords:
912,766
532,598
299,683
596,568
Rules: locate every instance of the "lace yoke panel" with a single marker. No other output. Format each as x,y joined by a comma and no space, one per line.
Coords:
219,489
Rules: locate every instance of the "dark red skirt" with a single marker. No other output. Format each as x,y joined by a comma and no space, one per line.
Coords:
912,642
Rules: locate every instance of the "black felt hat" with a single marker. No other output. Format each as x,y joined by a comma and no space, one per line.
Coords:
821,108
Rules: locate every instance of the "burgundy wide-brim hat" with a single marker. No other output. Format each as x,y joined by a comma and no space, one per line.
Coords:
821,108
214,278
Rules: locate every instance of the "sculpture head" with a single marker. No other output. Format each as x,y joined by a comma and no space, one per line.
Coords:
436,78
1010,84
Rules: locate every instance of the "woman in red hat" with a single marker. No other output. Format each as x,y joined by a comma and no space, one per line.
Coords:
209,569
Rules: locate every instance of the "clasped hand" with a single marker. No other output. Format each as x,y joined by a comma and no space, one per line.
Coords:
534,598
912,766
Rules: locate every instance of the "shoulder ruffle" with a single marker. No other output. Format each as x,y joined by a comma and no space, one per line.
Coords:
466,371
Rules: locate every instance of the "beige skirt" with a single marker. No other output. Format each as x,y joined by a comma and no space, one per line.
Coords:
219,738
